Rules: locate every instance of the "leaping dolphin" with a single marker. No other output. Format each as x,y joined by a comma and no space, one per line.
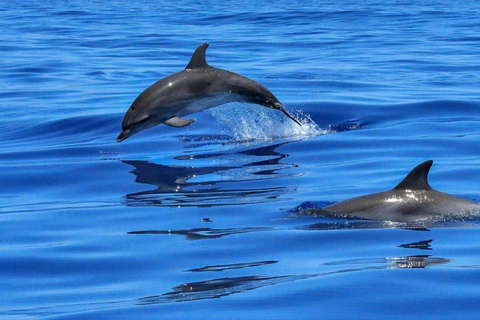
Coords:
411,200
197,88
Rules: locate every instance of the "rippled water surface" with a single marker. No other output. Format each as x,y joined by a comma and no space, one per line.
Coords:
200,222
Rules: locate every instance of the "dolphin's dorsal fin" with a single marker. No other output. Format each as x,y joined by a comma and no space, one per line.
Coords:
417,179
198,58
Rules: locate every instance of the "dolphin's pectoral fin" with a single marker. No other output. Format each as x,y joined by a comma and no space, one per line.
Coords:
178,122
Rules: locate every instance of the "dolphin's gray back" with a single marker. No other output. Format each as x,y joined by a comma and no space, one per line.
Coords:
193,84
404,205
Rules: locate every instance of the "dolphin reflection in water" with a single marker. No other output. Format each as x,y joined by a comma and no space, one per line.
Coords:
206,186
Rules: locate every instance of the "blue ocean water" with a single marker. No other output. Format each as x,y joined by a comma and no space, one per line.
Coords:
199,222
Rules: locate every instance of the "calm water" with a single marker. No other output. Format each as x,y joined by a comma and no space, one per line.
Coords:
198,223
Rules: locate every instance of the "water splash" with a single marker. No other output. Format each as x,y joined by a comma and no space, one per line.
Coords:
248,122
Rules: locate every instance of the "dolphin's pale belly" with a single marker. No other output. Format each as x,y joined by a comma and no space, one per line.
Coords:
405,205
200,104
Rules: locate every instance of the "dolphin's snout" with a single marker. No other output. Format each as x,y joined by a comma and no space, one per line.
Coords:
123,135
280,107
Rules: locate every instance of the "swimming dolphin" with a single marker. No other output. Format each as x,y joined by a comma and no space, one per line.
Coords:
197,88
412,199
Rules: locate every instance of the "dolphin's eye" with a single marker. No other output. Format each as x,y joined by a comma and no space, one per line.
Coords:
132,108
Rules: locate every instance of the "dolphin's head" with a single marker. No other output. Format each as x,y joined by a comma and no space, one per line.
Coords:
136,119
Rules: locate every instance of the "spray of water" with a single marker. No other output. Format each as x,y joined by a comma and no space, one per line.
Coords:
249,122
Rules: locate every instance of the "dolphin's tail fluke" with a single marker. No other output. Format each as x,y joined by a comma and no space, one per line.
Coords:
282,108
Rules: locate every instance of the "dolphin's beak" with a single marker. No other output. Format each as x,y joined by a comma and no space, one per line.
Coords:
123,135
280,107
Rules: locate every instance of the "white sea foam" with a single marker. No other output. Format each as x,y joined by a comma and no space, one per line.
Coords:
251,122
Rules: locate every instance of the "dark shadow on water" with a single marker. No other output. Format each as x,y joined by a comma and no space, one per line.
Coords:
212,289
206,186
224,267
422,245
202,233
220,287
